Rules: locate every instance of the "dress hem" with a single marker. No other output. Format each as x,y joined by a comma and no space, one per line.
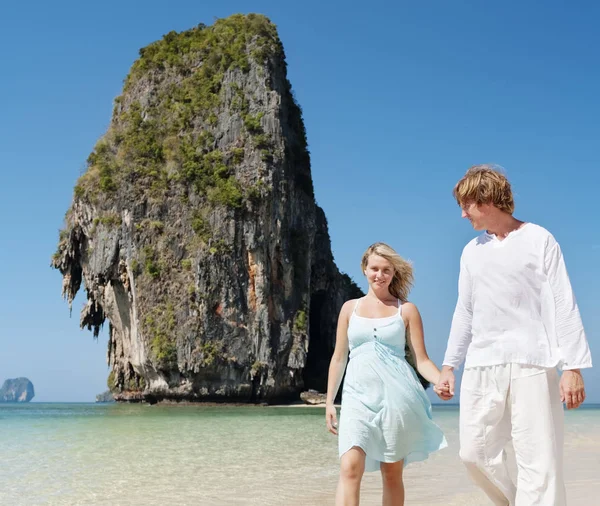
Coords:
417,456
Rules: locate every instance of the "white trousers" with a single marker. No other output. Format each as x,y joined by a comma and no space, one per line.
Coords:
519,403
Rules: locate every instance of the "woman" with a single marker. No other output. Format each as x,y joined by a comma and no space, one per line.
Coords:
385,419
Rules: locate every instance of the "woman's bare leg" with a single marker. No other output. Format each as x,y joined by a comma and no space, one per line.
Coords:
393,485
352,467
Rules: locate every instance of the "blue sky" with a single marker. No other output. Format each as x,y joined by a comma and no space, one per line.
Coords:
399,99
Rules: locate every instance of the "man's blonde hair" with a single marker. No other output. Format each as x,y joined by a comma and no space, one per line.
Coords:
403,273
485,184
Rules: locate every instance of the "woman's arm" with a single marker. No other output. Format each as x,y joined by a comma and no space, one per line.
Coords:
416,341
337,365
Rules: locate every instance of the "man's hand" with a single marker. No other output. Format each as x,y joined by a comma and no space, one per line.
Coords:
445,385
572,390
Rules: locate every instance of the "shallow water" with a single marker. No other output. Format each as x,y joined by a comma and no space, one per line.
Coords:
68,454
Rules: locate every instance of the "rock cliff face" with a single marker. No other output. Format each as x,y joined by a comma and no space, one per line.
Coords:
17,390
195,229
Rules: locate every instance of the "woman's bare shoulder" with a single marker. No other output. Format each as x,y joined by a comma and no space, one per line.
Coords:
346,310
408,308
349,305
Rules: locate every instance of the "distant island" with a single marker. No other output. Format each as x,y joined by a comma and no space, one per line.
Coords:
17,390
105,397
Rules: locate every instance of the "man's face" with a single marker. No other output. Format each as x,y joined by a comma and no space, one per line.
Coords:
476,214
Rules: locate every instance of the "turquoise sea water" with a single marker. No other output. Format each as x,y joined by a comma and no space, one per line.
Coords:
68,454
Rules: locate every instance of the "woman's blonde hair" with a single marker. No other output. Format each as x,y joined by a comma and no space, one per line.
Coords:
403,272
485,184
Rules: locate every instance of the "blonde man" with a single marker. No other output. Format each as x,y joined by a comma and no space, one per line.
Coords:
516,320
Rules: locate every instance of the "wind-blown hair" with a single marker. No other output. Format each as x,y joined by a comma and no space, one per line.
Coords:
403,273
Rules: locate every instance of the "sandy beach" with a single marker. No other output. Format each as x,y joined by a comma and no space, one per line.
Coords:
442,480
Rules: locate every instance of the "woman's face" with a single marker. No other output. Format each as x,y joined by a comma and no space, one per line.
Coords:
379,272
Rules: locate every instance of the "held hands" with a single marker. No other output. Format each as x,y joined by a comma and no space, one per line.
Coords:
331,418
572,391
445,385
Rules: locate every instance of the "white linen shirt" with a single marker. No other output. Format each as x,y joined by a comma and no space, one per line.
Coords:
516,305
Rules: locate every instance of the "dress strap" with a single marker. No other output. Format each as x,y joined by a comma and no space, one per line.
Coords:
399,308
356,305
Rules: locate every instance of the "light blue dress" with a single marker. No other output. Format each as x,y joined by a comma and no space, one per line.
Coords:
385,410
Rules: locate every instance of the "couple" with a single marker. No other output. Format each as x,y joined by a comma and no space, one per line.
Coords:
515,321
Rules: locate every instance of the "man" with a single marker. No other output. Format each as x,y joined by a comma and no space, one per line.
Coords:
515,321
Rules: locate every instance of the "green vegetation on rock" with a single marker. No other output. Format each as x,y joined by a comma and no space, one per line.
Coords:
300,323
210,352
110,381
151,264
201,227
176,124
108,220
159,326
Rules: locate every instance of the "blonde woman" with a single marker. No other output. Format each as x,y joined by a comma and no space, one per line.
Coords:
385,419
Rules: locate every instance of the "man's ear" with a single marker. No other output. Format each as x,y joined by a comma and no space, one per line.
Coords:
485,208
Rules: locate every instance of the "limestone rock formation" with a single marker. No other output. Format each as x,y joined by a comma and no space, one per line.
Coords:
313,397
195,229
17,390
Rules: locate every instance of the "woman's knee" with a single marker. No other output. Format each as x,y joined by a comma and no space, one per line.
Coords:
392,473
352,465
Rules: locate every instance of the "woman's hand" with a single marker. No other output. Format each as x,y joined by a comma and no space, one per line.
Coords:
445,384
443,391
331,418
